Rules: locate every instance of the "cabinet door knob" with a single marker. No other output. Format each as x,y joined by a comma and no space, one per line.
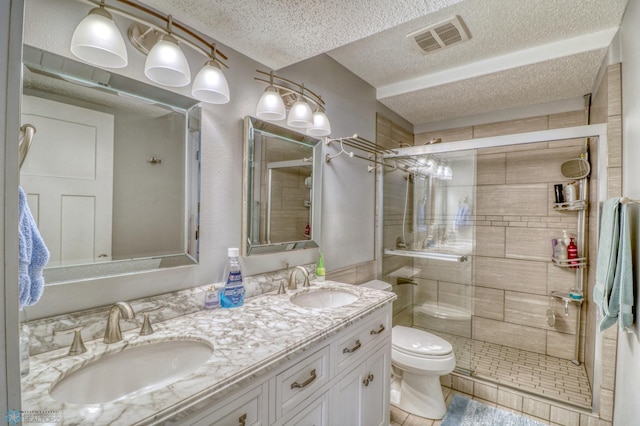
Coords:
353,349
378,331
295,385
368,380
242,419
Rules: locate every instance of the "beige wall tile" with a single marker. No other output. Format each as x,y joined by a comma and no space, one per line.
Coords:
567,143
614,141
490,241
606,404
509,274
538,166
441,270
609,354
614,182
531,310
560,279
486,392
516,336
564,417
489,303
561,345
600,103
425,292
462,385
536,408
590,420
512,126
400,135
509,399
458,295
567,119
403,317
491,169
614,83
519,200
458,134
529,243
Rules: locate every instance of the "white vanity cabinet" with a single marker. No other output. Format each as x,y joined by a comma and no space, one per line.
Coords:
342,380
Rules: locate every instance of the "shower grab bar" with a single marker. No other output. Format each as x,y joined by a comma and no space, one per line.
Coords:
27,132
427,255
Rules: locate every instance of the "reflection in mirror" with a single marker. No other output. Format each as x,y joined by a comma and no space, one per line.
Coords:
112,175
282,189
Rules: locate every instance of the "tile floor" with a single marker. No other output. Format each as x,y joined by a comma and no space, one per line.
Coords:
554,378
401,418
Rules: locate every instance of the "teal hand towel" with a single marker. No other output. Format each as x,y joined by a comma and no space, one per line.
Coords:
613,292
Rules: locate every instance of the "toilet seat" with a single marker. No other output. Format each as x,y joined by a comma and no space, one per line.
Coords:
419,343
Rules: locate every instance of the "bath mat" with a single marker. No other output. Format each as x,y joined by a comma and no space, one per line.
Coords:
465,412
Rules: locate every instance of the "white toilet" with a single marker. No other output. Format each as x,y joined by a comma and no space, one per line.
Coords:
419,359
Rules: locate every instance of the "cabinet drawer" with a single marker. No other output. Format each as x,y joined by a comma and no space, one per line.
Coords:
373,331
317,414
301,380
250,409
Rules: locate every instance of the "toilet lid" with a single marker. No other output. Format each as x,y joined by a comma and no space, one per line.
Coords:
418,342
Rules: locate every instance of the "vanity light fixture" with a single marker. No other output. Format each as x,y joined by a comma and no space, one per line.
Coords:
97,40
283,93
210,85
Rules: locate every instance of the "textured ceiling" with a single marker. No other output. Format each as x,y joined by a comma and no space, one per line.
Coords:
369,38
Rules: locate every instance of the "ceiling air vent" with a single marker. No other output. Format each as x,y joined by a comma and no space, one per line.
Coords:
441,35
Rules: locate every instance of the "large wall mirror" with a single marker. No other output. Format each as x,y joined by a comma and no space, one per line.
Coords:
282,189
112,175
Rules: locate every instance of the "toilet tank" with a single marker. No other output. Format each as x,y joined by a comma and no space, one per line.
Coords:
378,285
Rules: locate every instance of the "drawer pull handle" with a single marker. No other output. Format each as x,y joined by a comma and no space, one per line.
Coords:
242,419
368,380
296,385
353,349
378,331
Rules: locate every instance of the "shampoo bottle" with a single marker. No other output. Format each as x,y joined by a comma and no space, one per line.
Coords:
561,250
320,271
572,253
233,293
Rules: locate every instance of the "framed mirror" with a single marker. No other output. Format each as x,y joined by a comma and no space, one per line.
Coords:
282,189
112,175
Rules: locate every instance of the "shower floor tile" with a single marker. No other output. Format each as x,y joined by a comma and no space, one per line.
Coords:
554,378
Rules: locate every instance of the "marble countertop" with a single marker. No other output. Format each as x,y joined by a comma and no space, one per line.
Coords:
247,342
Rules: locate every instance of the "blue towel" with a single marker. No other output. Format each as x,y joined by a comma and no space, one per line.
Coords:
613,292
463,216
33,255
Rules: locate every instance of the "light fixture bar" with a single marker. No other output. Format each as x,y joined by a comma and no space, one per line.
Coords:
299,89
206,51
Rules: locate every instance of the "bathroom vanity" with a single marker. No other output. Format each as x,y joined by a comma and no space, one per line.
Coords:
273,361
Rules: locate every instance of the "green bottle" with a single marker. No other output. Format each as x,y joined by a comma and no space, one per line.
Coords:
320,272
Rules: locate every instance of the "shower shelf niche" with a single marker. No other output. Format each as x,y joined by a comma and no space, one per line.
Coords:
570,205
567,263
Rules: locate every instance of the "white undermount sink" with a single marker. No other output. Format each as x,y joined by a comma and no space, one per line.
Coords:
138,369
323,298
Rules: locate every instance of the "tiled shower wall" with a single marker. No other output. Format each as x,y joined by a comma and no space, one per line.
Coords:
515,223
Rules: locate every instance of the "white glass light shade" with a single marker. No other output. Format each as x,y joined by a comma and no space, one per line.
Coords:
271,107
210,85
320,126
300,114
166,63
448,173
98,41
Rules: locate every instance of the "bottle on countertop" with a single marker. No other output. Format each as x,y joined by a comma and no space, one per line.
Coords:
212,298
320,271
233,292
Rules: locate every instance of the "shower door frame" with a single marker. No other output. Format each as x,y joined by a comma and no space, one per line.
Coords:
598,131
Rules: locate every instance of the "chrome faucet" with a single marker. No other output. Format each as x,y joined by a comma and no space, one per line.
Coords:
292,278
112,333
